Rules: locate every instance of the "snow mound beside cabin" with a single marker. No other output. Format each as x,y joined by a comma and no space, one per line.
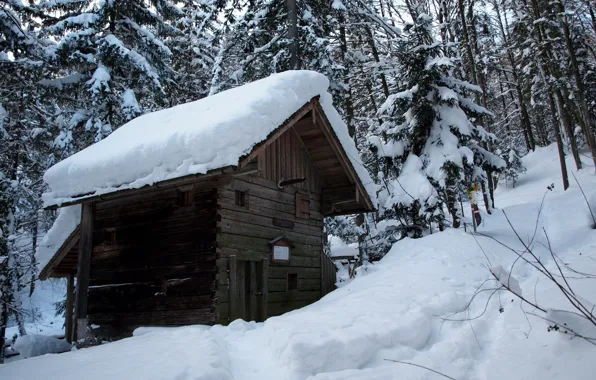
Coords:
193,138
395,310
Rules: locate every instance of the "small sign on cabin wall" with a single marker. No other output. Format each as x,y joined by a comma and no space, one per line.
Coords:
281,253
280,249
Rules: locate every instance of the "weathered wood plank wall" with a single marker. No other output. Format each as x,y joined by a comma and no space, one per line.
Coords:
245,231
153,259
287,158
328,275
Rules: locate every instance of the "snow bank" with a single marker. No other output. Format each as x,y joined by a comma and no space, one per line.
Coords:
194,138
67,221
186,353
413,306
36,345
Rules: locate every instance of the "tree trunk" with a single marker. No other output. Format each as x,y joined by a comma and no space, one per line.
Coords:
375,53
293,33
525,116
348,104
581,90
565,119
557,130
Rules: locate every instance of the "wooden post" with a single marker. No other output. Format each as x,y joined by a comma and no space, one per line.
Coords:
84,268
263,277
69,308
323,275
253,291
233,288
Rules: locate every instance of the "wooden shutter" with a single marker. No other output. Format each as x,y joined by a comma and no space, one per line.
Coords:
302,206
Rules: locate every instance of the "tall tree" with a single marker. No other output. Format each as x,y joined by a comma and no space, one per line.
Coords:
113,60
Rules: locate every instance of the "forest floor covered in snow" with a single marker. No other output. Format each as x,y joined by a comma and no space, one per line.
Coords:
409,307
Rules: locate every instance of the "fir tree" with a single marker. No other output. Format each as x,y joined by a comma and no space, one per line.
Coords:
513,162
23,115
114,64
436,147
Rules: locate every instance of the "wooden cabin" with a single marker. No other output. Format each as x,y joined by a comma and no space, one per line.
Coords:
241,241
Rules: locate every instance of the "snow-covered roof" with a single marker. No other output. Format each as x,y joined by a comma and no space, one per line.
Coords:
65,224
194,138
339,249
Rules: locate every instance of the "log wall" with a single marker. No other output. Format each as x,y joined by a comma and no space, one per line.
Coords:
153,260
245,232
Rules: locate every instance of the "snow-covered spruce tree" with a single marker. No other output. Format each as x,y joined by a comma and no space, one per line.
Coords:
434,144
513,163
194,50
113,59
23,113
256,44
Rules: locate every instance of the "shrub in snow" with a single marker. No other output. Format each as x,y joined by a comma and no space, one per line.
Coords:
514,165
36,345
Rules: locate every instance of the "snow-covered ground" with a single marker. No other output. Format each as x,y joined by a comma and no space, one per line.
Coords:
396,310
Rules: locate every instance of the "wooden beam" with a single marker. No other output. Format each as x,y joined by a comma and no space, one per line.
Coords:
69,308
233,288
84,268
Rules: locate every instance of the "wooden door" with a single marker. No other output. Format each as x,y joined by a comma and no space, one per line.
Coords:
248,289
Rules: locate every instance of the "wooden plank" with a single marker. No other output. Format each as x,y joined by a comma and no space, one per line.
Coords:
157,318
131,275
231,216
68,328
263,299
233,288
247,229
279,285
253,290
84,268
294,296
267,208
307,273
241,286
272,185
271,194
242,242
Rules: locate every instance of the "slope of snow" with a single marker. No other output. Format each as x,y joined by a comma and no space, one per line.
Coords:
410,307
194,138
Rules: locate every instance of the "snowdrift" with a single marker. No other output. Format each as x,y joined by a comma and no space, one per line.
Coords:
410,307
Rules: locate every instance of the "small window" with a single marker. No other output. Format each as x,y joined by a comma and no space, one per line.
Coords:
184,198
292,282
241,199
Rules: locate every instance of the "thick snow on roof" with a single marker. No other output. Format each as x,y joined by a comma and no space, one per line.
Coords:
194,138
67,221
